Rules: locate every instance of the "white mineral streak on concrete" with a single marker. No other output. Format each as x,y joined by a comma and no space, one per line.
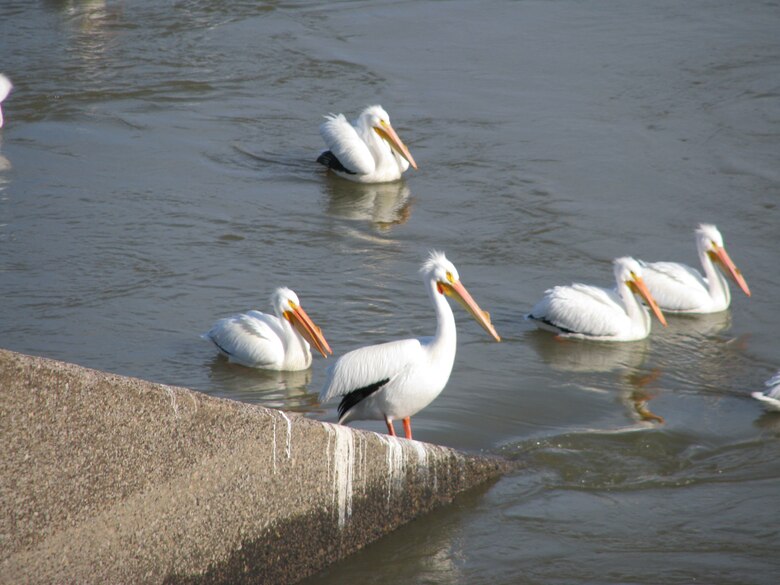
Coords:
460,461
444,454
331,434
172,395
289,434
396,465
363,461
422,459
343,471
273,418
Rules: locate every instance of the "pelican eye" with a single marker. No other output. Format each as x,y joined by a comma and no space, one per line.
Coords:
450,278
292,304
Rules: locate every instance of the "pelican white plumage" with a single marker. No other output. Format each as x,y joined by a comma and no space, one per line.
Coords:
259,340
589,312
368,151
5,88
396,380
678,288
771,396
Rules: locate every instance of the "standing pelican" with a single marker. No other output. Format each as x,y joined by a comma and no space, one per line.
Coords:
589,312
396,380
368,151
5,89
681,289
771,396
258,340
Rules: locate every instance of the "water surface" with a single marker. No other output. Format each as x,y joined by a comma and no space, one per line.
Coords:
157,174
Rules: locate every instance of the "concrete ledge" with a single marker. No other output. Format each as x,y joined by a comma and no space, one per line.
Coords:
109,479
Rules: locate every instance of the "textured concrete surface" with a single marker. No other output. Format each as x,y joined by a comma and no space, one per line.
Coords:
109,479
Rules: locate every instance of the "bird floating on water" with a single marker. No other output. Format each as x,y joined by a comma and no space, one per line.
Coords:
5,88
368,151
396,380
259,340
771,396
589,312
678,288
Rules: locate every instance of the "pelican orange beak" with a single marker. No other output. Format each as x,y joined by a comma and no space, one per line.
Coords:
306,327
638,286
457,291
386,131
720,256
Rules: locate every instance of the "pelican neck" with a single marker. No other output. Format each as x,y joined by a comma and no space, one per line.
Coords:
716,281
445,319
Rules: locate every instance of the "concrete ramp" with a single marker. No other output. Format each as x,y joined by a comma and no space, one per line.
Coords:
109,479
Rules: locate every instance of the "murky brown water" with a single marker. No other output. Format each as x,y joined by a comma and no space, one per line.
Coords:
157,174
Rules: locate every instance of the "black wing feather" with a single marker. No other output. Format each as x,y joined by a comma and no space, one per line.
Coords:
356,396
558,327
329,159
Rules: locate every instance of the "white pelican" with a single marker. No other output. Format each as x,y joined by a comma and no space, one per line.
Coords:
681,289
368,151
589,312
5,89
258,340
771,396
396,380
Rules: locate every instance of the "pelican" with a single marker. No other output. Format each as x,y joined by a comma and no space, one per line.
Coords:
368,151
681,289
588,312
258,340
771,396
396,380
5,89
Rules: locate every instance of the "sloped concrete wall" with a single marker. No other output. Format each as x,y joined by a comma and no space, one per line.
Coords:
109,479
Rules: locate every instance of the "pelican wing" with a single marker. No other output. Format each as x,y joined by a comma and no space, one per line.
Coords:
770,401
5,87
346,145
581,309
773,385
771,396
674,286
250,339
364,367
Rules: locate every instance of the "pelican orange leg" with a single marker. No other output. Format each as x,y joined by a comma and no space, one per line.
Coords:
408,427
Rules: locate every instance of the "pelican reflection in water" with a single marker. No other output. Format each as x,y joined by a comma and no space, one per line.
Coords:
384,205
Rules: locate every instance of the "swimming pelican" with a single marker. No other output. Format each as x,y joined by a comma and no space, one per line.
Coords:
681,289
396,380
368,151
589,312
258,340
771,396
5,89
